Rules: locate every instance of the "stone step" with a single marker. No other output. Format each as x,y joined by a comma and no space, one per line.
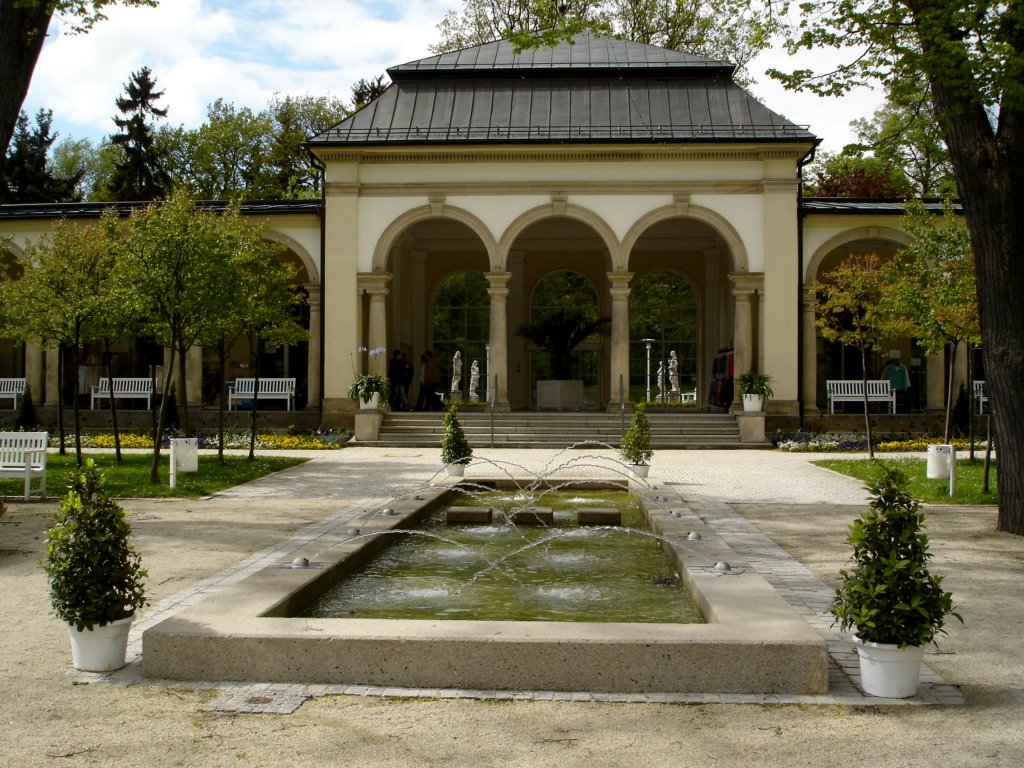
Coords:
532,429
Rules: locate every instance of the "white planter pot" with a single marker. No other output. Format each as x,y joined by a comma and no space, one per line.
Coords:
752,403
373,402
101,649
639,470
455,470
889,671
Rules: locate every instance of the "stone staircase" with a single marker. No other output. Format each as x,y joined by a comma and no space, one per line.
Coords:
560,430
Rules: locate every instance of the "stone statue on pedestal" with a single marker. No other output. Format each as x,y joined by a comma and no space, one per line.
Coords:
474,381
456,372
673,371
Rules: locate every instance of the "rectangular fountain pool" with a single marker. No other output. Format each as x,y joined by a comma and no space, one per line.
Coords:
751,641
497,571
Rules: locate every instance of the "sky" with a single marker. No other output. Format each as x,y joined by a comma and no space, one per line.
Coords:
246,51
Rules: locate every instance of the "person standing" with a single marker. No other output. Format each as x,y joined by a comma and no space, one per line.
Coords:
421,397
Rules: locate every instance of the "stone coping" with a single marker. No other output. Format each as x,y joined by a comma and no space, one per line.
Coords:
754,642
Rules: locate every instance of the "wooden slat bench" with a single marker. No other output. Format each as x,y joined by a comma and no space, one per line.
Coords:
270,389
124,389
980,395
12,388
23,455
852,391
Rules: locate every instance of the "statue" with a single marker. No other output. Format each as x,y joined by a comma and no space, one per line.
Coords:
673,371
474,381
456,371
661,382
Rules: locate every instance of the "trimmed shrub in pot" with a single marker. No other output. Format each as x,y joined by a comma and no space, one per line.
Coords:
889,597
455,449
95,574
635,447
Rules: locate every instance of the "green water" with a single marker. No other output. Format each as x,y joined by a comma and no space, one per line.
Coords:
506,573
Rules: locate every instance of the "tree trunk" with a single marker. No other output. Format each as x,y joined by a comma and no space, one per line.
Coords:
987,165
113,404
158,433
867,413
22,33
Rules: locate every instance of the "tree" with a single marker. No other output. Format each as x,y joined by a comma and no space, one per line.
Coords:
905,133
846,175
971,55
933,286
60,297
364,91
171,272
23,26
220,159
288,173
716,29
89,165
849,309
139,173
26,175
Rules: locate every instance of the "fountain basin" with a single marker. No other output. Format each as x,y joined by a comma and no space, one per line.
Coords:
753,641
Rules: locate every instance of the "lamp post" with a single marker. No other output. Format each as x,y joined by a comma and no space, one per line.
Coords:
647,343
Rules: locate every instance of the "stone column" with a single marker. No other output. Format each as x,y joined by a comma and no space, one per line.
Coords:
313,362
194,375
35,371
744,288
809,354
375,285
498,292
618,287
52,385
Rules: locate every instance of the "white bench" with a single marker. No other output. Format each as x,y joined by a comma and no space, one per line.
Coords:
980,395
270,389
23,455
12,388
852,391
124,389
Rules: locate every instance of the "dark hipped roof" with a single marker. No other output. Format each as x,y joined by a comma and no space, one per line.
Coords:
592,90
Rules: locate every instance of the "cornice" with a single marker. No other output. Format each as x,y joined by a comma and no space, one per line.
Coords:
467,189
563,153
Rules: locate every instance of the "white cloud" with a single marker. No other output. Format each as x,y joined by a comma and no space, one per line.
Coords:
244,51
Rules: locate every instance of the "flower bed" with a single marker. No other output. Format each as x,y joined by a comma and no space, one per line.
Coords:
831,442
312,441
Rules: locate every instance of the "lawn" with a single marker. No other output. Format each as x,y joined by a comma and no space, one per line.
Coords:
968,479
130,479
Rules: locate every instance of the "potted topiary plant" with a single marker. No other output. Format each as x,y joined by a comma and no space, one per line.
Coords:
96,576
635,447
455,449
755,388
890,599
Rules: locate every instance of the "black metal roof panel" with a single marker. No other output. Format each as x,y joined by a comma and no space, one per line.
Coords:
592,90
585,54
95,210
593,109
863,206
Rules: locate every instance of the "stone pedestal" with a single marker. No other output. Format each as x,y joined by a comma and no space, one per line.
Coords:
751,427
368,423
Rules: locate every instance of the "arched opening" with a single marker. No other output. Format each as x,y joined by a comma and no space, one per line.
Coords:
834,360
682,298
461,322
664,309
563,308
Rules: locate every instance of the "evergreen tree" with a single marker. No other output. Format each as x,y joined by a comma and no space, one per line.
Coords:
140,173
25,174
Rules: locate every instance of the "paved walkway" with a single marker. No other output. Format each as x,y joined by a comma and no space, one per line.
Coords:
709,480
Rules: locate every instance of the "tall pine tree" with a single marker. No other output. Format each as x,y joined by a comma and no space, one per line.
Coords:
25,174
140,173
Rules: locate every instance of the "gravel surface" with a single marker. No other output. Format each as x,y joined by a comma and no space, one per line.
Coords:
50,719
